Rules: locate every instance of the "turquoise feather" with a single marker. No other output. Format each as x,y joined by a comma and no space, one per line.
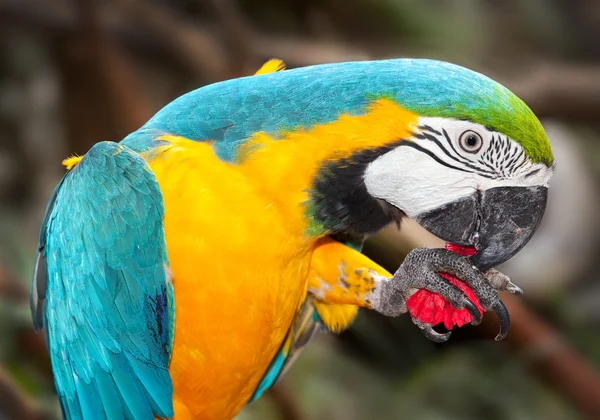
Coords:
230,112
101,290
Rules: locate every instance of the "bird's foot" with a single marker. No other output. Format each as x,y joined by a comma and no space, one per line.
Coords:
439,286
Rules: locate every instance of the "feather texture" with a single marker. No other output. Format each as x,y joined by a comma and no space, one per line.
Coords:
230,112
271,66
301,331
107,310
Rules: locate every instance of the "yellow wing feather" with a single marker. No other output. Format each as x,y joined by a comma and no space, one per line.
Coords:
272,66
71,161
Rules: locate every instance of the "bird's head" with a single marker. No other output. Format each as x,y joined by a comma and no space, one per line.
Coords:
474,168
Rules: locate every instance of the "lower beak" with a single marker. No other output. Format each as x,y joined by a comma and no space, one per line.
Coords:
498,222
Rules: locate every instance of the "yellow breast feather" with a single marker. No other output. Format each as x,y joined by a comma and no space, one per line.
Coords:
239,251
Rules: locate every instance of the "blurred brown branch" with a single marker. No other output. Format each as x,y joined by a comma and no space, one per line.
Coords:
114,70
196,47
92,65
203,49
543,348
239,35
233,48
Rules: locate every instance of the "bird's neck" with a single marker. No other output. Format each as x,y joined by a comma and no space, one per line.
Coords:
312,172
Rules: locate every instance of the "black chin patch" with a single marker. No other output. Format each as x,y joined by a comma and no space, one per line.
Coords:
340,201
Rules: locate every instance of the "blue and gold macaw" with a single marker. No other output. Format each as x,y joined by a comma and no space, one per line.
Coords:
181,270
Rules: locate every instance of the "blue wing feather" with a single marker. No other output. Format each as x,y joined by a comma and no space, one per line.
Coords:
37,295
108,309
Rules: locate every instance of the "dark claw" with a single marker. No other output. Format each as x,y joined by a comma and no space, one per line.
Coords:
500,281
504,319
435,336
514,289
475,314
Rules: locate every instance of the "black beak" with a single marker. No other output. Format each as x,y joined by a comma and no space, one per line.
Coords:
498,222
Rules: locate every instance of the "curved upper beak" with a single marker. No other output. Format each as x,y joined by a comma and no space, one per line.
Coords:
498,222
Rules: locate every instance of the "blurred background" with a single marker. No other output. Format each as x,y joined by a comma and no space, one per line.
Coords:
73,73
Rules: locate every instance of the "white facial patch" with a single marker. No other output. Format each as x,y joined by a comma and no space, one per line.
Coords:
432,169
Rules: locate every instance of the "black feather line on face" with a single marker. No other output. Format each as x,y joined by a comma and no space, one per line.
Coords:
487,165
460,159
442,162
340,200
426,127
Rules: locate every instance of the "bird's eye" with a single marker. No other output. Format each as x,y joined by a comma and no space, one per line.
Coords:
470,141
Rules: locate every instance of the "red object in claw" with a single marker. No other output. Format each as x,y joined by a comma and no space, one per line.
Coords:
465,251
433,309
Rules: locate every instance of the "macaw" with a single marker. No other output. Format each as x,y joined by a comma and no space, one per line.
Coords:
182,270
